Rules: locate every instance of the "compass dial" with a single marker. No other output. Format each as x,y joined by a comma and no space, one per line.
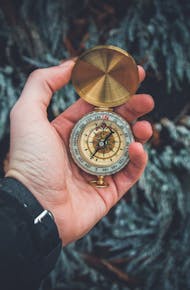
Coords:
99,143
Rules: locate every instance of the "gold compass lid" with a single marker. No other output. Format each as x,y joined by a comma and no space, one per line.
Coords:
105,76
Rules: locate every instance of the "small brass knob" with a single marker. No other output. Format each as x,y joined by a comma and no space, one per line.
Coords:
100,182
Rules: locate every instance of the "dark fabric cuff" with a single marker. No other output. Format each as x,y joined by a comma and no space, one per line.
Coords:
40,225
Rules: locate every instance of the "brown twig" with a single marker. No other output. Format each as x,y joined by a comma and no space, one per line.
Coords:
108,266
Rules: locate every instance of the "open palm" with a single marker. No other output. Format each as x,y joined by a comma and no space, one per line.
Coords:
40,157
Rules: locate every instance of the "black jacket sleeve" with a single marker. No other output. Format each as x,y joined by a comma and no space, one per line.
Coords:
23,260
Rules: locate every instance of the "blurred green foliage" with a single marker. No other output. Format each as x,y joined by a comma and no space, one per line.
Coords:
143,243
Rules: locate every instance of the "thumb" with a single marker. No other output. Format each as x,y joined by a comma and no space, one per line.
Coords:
39,88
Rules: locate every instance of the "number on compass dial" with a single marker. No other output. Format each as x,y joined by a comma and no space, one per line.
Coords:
99,143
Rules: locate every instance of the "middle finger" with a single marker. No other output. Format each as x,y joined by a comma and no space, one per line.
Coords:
136,107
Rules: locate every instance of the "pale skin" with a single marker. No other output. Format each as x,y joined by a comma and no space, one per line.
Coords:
40,157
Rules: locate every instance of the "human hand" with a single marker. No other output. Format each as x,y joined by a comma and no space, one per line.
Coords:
40,157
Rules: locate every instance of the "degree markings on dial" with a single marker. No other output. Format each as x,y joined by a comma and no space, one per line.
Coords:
113,158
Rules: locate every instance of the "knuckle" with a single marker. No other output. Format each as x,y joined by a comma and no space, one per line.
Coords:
13,111
37,74
41,75
16,110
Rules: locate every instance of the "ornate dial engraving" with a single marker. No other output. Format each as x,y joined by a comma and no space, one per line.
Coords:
99,143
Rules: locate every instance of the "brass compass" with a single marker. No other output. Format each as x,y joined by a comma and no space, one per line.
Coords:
104,76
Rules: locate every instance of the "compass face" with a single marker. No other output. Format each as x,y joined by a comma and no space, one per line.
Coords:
99,143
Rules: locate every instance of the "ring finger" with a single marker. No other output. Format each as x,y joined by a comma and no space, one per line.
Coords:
142,131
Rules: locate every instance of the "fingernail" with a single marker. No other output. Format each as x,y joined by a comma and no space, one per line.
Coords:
68,61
